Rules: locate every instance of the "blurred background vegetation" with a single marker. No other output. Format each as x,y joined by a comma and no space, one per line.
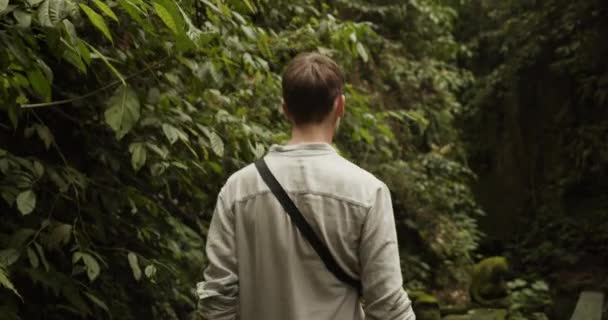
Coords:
122,119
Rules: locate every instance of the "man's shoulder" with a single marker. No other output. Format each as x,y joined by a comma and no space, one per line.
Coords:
336,176
343,167
240,181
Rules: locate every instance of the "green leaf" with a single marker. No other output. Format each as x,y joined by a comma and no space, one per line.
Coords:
161,151
166,17
34,261
362,52
105,9
9,256
170,132
132,257
3,5
38,169
74,59
138,155
217,145
26,202
45,135
91,265
123,111
42,256
93,268
33,3
250,6
97,20
97,301
150,271
51,12
59,236
6,282
135,13
23,18
40,83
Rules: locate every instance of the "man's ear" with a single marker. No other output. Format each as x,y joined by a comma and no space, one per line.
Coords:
284,109
340,100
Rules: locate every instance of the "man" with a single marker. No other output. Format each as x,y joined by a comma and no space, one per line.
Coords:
261,267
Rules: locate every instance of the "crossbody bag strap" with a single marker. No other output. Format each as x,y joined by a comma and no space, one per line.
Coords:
303,226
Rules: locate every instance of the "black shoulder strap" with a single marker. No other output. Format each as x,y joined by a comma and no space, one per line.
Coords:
303,226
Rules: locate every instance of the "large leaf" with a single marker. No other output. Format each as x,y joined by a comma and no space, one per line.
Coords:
26,202
60,235
166,17
97,301
136,14
9,256
3,5
123,111
138,155
362,52
51,12
133,262
6,282
105,9
45,135
170,132
40,83
24,19
45,263
150,271
217,145
97,20
90,263
34,261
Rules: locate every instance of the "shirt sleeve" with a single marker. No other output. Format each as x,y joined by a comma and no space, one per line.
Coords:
218,293
383,293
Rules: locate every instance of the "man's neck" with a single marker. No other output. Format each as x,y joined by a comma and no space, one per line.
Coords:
311,134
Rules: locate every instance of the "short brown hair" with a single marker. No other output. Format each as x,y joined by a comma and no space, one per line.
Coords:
311,83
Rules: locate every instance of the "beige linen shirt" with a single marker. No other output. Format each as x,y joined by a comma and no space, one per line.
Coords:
262,268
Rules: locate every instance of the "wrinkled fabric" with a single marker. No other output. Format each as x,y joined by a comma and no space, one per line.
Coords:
262,268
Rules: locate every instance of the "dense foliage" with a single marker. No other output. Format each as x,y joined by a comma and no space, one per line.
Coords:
122,119
537,124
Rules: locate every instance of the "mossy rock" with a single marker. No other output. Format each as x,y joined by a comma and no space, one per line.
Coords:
489,287
426,306
480,314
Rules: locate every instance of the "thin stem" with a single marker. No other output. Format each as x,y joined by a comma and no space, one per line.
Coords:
94,92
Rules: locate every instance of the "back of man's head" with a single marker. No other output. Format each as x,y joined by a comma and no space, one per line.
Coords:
311,84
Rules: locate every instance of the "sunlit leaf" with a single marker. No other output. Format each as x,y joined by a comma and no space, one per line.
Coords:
6,282
123,111
26,202
166,17
51,12
93,268
3,5
105,9
150,271
24,19
138,155
217,145
362,52
45,135
133,262
97,20
170,132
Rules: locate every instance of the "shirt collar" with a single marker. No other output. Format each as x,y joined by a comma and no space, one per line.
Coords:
303,149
